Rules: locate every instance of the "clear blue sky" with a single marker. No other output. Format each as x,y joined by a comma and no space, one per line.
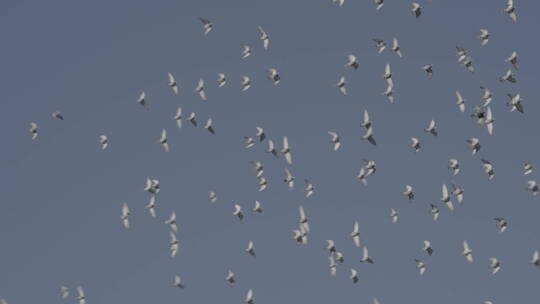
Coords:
61,195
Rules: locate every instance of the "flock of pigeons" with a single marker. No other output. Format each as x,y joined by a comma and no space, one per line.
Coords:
482,113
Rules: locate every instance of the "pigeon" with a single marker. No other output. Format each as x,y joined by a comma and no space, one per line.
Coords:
152,186
408,192
125,215
192,119
502,224
260,133
151,206
511,10
365,256
178,117
222,80
339,257
515,103
250,249
335,140
34,130
209,126
246,83
427,248
249,141
429,70
380,45
354,276
420,266
446,198
495,265
415,144
487,96
333,266
173,244
388,75
469,64
163,140
142,100
289,179
362,176
246,51
286,150
474,144
489,169
172,222
178,282
454,165
238,212
467,252
57,115
370,167
213,196
535,259
249,297
264,37
258,167
355,235
367,122
394,215
262,183
103,141
395,44
369,136
513,59
435,212
533,187
64,291
457,191
230,277
339,2
341,85
330,246
416,9
461,53
257,208
274,76
81,296
527,168
300,235
309,188
173,84
484,37
389,93
303,220
509,76
352,62
200,89
207,25
460,102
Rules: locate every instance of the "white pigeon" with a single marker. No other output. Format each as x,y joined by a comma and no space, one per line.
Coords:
310,189
489,169
209,126
335,140
461,53
468,63
258,167
152,186
81,296
193,119
178,282
388,75
527,168
435,212
408,192
300,235
511,10
178,117
289,179
57,115
246,51
172,222
339,2
333,266
416,9
395,44
249,142
260,133
207,25
389,93
213,196
341,85
508,76
495,265
125,215
354,276
454,165
460,102
355,234
467,252
264,37
238,212
172,83
415,144
249,297
370,166
533,187
487,96
173,244
394,215
535,259
246,83
250,248
502,224
352,62
34,130
339,257
366,123
474,144
457,191
163,140
103,141
429,70
420,266
303,220
330,246
199,89
484,37
263,183
64,291
222,79
151,206
230,277
513,59
446,198
142,100
427,247
362,175
380,45
257,208
274,75
369,136
286,150
515,103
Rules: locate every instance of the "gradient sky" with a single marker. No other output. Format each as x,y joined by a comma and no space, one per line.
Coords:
61,195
